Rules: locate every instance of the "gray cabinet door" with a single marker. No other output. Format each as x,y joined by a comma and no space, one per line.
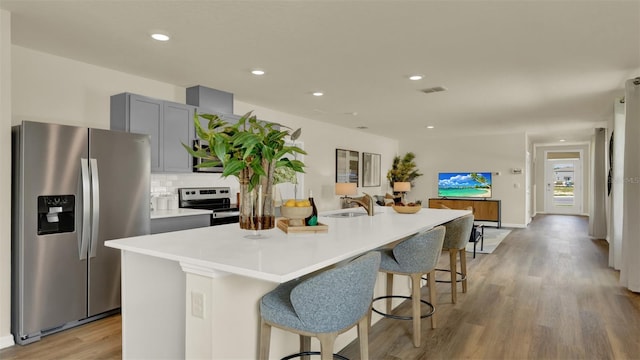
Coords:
178,127
146,117
168,124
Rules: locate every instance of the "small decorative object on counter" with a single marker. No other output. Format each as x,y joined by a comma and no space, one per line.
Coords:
283,224
296,211
410,208
312,220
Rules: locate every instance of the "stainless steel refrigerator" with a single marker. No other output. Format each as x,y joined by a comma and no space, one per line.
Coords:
73,188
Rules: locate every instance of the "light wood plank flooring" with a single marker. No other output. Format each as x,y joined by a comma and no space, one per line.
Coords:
545,293
100,339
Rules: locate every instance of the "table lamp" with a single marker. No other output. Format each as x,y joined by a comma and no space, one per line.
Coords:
346,189
402,188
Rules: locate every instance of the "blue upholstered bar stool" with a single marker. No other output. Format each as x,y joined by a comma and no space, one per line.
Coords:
455,242
322,306
413,257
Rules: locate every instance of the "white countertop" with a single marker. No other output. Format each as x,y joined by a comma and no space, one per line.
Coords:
159,214
280,257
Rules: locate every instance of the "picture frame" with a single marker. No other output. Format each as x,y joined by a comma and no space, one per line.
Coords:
371,174
347,166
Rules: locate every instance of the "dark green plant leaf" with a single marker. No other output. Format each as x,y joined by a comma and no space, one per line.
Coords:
232,167
208,164
296,134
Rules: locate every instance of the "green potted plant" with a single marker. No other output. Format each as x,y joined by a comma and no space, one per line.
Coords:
250,150
403,169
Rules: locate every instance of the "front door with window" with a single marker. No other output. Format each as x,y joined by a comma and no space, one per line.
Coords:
563,186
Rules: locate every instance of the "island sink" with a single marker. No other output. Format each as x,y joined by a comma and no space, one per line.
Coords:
346,214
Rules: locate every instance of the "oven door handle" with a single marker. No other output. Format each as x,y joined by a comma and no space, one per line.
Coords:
224,214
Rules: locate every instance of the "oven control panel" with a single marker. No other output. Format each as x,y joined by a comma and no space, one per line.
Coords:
208,193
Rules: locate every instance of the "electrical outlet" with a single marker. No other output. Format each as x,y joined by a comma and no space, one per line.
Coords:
197,304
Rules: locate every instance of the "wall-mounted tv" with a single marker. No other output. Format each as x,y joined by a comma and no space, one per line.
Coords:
464,184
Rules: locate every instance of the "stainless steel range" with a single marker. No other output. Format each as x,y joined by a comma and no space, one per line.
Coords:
217,199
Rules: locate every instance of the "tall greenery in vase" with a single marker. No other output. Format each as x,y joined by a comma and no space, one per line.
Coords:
250,150
403,169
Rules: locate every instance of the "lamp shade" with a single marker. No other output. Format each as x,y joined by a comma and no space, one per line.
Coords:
346,188
401,186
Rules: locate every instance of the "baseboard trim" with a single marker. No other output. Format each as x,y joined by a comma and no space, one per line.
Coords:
519,226
552,213
6,341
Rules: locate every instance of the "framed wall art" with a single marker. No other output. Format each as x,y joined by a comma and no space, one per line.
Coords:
347,165
370,169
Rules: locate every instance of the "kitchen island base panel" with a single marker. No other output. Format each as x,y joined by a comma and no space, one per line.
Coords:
238,337
158,318
153,303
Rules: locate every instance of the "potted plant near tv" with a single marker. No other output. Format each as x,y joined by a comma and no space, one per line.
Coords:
403,169
251,150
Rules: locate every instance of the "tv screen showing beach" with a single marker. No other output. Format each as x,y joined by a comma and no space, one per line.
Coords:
464,184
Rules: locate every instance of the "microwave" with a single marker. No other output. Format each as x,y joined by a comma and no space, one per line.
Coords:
196,161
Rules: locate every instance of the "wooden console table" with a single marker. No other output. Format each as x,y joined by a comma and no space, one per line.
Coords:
483,210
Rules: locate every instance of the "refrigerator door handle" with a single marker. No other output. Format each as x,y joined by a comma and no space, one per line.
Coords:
86,209
95,208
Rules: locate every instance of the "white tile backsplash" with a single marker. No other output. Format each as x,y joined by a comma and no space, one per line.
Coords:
164,184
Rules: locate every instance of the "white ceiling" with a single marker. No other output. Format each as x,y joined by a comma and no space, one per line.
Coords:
552,69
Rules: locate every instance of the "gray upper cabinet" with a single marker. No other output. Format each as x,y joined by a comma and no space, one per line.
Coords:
178,130
168,124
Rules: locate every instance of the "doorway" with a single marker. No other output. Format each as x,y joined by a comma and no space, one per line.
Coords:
563,182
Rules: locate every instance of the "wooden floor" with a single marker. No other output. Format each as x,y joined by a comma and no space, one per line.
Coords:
100,339
545,293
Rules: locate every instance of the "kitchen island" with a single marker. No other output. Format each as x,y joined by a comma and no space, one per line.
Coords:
194,293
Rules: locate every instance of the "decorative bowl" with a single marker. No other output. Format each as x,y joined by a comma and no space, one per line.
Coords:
406,209
296,214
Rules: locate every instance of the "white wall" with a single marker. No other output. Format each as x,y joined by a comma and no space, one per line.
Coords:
48,88
5,179
494,153
53,89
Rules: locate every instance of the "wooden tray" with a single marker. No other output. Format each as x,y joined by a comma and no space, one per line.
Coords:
283,224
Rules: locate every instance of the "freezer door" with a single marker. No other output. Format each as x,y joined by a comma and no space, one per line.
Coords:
120,171
49,276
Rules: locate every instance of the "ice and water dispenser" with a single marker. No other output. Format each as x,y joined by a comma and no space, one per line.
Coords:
56,214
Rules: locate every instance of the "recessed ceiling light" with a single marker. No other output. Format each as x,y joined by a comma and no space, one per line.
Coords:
415,77
257,72
317,93
430,127
562,140
160,37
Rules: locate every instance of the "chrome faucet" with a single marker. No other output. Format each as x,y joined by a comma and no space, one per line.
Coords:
365,201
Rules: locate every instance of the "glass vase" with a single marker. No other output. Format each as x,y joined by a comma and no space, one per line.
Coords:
257,210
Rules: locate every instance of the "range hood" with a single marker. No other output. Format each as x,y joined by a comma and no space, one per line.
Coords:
209,99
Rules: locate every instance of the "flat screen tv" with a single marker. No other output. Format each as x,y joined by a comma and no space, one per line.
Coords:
464,184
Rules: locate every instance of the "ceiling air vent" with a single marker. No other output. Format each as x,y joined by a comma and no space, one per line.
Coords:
433,89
